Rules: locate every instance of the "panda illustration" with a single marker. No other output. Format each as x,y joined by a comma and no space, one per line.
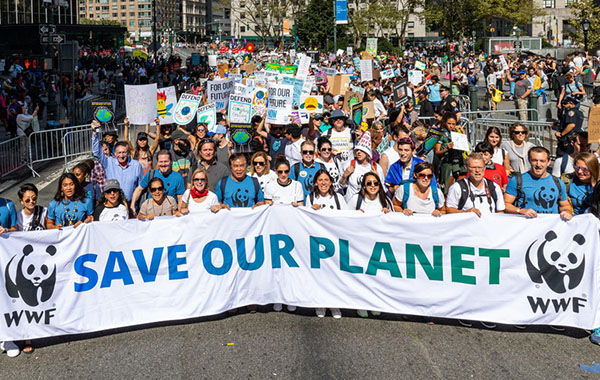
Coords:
34,277
241,198
560,270
546,197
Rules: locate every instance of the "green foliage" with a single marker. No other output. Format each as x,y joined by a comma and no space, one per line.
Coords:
315,24
87,21
582,9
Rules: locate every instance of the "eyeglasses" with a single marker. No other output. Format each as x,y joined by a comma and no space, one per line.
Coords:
326,149
283,171
30,200
424,176
519,132
155,189
476,168
581,169
112,191
258,163
372,183
199,179
308,152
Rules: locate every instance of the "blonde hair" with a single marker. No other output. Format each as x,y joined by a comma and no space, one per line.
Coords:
592,164
263,155
420,133
201,170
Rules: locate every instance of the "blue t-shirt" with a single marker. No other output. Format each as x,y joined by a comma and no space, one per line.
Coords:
541,193
434,93
67,213
240,194
394,175
174,184
92,191
8,214
581,196
306,176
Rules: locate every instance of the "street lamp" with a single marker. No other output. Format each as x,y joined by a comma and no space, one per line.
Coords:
585,25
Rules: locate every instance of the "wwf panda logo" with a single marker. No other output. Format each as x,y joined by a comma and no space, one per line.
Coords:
33,278
241,198
545,197
559,270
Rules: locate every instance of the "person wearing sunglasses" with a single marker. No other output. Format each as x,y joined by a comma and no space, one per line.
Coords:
328,160
580,184
359,166
32,217
304,171
284,190
112,205
199,133
159,204
260,168
421,195
273,133
371,198
199,197
518,148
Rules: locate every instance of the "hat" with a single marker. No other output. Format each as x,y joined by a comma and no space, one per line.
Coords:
364,144
219,129
111,184
444,88
337,114
568,100
522,72
142,136
178,134
318,116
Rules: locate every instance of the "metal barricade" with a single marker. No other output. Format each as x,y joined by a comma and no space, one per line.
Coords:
76,144
13,155
540,132
464,102
505,114
463,123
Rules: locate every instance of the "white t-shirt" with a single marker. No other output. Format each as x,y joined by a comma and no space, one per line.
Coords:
391,155
293,152
264,179
367,205
498,157
327,202
24,221
342,143
113,213
379,108
333,167
481,197
287,194
353,182
211,200
416,204
558,164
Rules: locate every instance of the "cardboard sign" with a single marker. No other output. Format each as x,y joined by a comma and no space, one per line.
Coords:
298,85
241,135
249,68
357,113
311,104
280,103
368,110
400,93
594,124
166,100
303,66
208,115
103,112
366,70
223,70
218,91
240,108
338,84
320,78
140,103
350,99
186,108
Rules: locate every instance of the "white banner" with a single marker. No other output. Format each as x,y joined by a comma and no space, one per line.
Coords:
218,91
366,70
140,103
303,67
106,275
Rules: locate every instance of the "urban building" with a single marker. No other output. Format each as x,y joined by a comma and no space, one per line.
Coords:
554,24
38,12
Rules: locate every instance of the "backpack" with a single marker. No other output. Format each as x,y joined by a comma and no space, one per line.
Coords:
360,199
521,198
254,182
465,193
406,195
335,197
373,165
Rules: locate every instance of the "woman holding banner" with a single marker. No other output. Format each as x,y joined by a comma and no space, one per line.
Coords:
323,195
371,198
261,170
70,206
198,198
159,204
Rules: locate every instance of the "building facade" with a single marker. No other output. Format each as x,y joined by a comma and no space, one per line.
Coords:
554,23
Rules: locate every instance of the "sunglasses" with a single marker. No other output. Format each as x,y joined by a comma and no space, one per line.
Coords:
424,176
30,200
308,152
112,191
520,132
155,189
372,183
581,169
326,149
283,171
199,179
258,163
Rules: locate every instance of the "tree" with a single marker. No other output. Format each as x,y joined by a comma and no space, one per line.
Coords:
582,9
315,24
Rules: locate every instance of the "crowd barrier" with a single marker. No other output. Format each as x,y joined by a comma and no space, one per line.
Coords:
506,114
13,155
540,132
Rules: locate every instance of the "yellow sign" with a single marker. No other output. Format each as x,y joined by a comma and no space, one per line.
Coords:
286,26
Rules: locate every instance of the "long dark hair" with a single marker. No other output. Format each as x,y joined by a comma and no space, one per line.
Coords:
315,189
595,201
383,199
79,193
120,200
491,130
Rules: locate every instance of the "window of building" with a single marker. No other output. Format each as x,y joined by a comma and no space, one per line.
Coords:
242,16
549,3
410,24
131,22
123,6
242,29
114,15
104,9
132,14
132,6
411,34
104,16
97,8
123,14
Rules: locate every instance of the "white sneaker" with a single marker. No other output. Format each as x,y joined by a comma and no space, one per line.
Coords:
291,308
320,311
337,314
362,313
277,307
12,350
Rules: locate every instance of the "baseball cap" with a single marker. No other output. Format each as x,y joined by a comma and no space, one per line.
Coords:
111,184
522,72
444,88
219,129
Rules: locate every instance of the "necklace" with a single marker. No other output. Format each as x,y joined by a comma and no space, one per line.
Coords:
71,219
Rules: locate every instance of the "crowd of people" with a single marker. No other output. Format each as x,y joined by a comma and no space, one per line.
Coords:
403,160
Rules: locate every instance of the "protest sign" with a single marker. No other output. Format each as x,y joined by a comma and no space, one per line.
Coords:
349,51
186,108
298,84
460,141
329,71
400,93
103,112
218,91
208,115
309,82
320,78
368,110
280,103
223,70
415,77
350,99
240,108
311,104
249,68
387,74
239,89
140,103
288,70
366,70
259,101
273,67
166,99
594,124
357,113
420,65
356,63
359,90
241,135
204,263
338,84
372,46
212,60
303,66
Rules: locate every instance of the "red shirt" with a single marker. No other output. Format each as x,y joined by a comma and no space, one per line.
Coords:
498,175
